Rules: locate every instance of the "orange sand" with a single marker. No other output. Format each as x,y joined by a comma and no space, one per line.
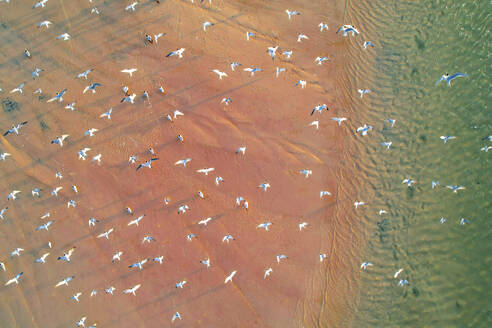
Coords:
270,116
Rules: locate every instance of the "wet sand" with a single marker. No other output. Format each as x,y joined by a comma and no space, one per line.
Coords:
270,116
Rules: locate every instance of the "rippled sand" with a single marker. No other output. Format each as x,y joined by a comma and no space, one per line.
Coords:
270,116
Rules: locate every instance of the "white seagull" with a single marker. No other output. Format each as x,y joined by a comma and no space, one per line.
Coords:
206,171
136,221
291,13
129,71
105,234
219,73
229,277
132,290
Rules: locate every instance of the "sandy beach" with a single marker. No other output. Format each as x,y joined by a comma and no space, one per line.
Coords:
269,115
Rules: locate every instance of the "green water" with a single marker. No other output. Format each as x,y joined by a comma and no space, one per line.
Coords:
447,265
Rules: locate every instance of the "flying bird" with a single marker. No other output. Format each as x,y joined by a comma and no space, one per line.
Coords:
456,188
132,290
106,233
64,36
84,74
67,255
147,164
322,26
42,259
131,6
264,225
364,129
138,264
207,24
107,114
92,87
178,52
58,96
15,129
18,89
136,221
59,140
45,226
181,284
229,277
267,272
280,257
347,29
339,120
363,92
117,256
15,279
219,73
129,71
448,78
446,138
291,13
65,281
306,172
206,171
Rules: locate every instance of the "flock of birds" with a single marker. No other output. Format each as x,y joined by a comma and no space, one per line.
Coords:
16,129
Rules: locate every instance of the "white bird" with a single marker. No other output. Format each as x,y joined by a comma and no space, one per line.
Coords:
253,70
381,212
368,44
301,36
234,65
303,225
81,322
206,24
2,265
35,192
364,129
91,87
148,239
97,158
264,225
302,83
158,259
408,182
3,156
2,212
205,221
84,74
363,92
264,186
291,13
287,54
226,100
248,34
339,120
206,171
391,121
138,264
71,203
107,114
59,96
218,180
272,51
56,190
279,70
95,11
132,290
16,252
315,123
397,273
65,281
322,26
267,272
347,29
320,60
18,89
36,73
76,296
59,140
183,209
456,188
229,277
93,221
241,150
59,175
75,190
190,236
147,164
365,265
446,138
323,193
90,132
64,36
357,204
178,52
45,226
322,257
12,194
177,113
41,3
93,292
219,73
306,172
117,256
110,290
15,279
131,6
38,91
280,257
136,221
387,144
105,234
15,129
206,262
71,106
67,255
227,238
180,284
157,36
176,316
129,71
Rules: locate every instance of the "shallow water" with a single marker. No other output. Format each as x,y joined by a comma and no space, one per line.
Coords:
447,265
